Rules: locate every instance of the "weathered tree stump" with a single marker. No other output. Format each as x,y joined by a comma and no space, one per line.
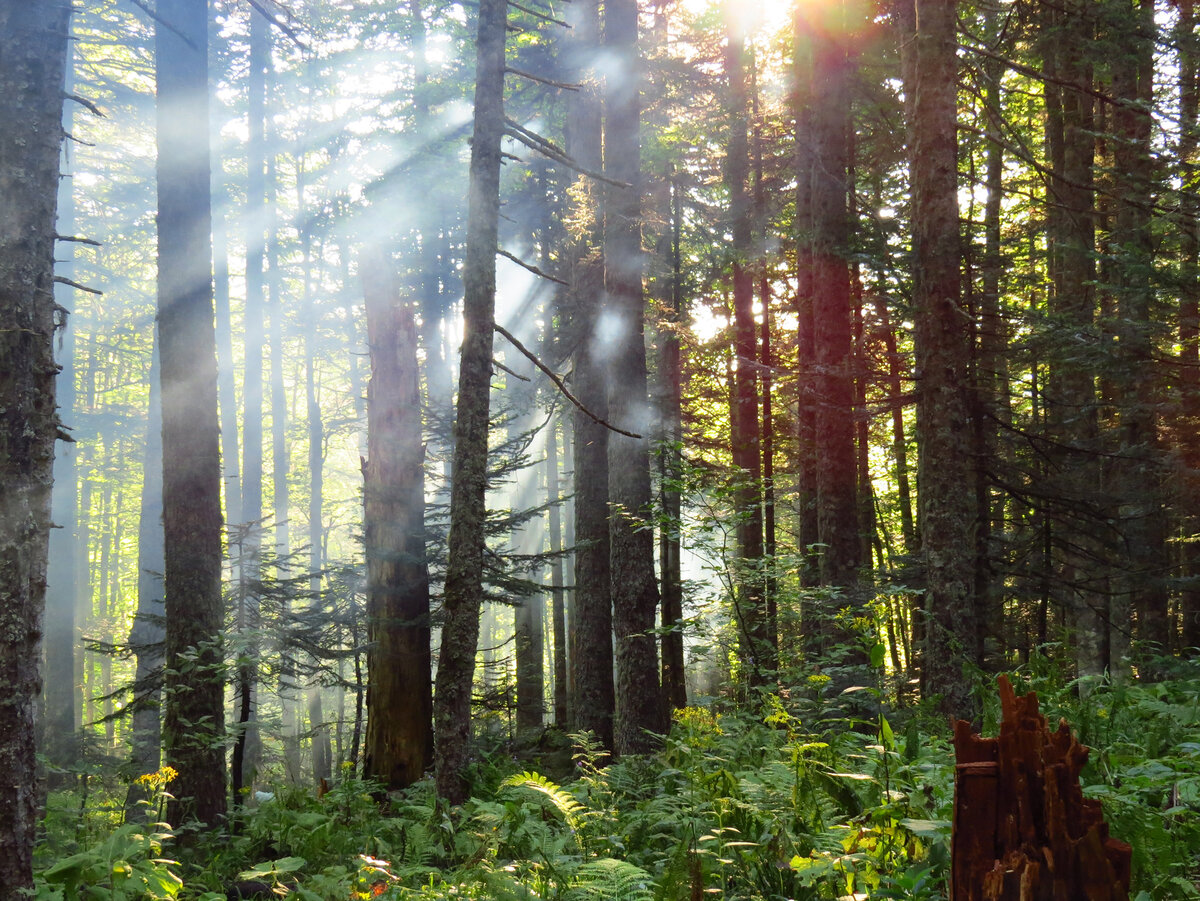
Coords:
1023,831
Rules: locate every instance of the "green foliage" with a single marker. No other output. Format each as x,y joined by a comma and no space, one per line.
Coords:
126,865
741,804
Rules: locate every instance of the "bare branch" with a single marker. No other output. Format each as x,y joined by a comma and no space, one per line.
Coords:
531,268
540,15
280,24
515,375
75,239
558,383
540,80
548,149
85,103
66,281
140,4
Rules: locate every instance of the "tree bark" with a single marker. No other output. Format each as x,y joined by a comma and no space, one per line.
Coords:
746,447
62,579
1143,512
468,509
591,629
194,720
146,635
33,54
942,351
639,713
399,695
671,474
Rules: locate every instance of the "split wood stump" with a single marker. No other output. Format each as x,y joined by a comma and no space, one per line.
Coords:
1023,831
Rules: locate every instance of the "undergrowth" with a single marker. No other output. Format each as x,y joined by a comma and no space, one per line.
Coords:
774,803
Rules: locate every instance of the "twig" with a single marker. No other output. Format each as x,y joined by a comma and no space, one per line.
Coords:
541,80
558,383
530,267
62,280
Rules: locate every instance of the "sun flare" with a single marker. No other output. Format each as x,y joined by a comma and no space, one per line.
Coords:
755,16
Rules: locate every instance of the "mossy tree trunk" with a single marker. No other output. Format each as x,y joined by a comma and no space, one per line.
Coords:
468,508
33,52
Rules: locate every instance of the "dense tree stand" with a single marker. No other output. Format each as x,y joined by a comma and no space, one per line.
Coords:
1022,829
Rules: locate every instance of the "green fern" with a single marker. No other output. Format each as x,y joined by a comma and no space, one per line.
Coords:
565,803
607,879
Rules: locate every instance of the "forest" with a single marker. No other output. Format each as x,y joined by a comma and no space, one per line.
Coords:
589,449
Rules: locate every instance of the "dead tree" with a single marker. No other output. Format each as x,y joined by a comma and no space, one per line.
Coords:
1023,831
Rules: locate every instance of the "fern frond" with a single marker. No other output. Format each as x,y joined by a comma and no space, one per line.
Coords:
607,879
566,804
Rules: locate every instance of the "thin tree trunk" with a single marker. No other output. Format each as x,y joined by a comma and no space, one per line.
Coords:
671,473
753,622
62,582
468,509
1188,420
558,615
806,400
146,636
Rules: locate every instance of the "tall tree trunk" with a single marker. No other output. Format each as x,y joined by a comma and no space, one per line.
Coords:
639,711
591,628
806,401
399,744
753,622
468,508
33,55
322,750
62,582
671,473
558,610
1188,421
1143,513
1071,409
194,720
146,635
226,390
250,564
992,409
767,425
942,350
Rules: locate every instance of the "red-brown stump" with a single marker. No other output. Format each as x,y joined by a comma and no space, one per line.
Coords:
1023,830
